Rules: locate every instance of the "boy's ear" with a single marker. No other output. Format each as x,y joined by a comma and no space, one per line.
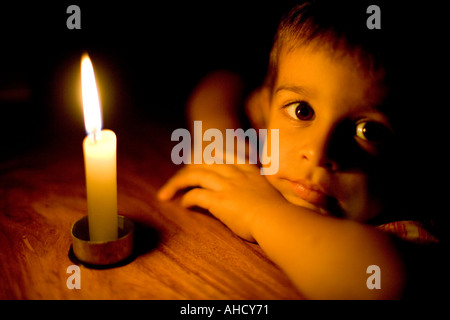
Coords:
257,107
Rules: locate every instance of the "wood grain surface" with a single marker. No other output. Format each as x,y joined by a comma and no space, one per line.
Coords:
178,254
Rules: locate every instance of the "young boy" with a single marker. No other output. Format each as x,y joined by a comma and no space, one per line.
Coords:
332,92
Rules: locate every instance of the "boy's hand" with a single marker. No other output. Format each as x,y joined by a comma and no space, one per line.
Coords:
235,194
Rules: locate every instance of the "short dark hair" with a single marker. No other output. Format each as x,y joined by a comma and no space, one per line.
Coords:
340,25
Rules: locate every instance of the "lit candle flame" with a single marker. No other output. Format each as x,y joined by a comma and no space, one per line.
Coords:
91,104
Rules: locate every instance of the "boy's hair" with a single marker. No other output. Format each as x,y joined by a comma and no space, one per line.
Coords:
338,25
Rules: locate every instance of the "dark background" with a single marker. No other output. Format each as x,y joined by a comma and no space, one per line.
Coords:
147,57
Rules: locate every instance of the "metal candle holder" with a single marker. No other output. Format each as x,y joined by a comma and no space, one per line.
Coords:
102,253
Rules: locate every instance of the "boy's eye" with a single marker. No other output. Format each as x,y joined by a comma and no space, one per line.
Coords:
372,131
300,110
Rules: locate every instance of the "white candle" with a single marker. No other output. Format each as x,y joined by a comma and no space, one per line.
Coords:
99,149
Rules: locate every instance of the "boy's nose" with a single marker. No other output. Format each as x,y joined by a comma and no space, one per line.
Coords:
317,151
318,158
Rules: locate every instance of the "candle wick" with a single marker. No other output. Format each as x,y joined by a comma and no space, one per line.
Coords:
95,136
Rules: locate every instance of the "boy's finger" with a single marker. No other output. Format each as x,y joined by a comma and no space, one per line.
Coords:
231,170
190,178
198,197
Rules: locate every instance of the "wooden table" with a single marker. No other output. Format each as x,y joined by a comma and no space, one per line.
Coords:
180,254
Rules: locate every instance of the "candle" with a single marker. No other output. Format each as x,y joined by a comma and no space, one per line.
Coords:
99,148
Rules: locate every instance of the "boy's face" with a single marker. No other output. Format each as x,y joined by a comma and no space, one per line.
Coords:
331,133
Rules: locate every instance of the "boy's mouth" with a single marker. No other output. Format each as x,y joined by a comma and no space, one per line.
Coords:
315,197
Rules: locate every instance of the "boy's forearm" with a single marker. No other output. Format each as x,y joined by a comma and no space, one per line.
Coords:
216,101
326,257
